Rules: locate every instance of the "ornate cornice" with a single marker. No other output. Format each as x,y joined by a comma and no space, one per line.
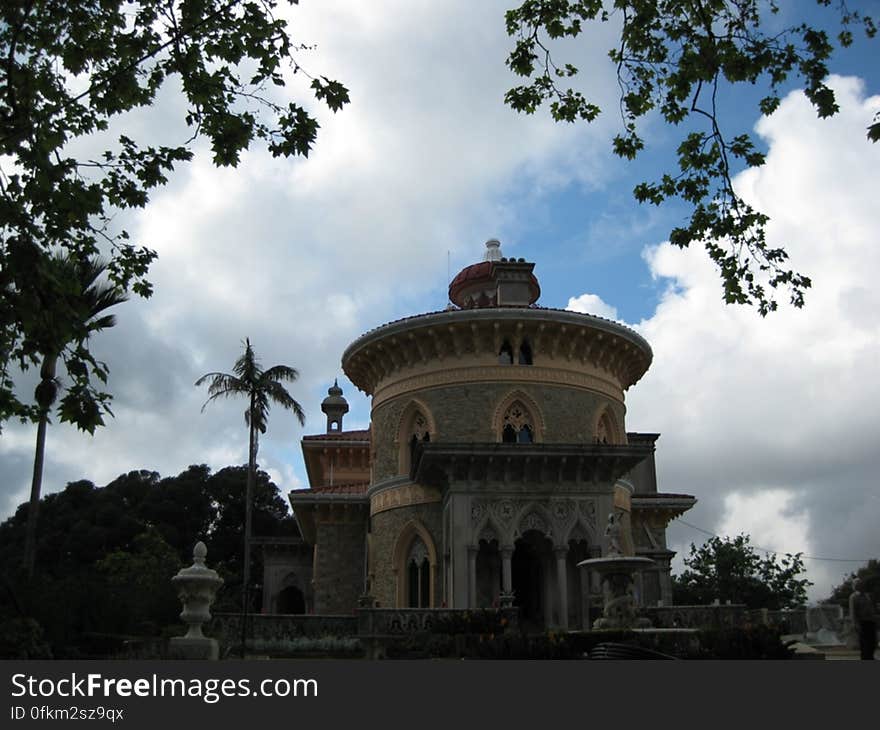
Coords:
599,350
660,509
559,465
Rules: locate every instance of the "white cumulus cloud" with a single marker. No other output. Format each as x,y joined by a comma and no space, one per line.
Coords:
773,423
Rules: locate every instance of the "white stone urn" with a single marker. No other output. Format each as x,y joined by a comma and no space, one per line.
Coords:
196,587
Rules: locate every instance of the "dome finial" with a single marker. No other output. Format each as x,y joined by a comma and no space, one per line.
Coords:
493,250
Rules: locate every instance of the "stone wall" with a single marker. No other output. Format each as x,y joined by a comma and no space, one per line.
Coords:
386,527
464,413
715,616
339,566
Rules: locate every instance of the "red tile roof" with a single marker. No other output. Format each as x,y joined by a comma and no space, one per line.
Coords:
361,435
352,488
661,495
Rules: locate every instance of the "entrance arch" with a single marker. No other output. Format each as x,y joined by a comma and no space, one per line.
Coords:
291,600
532,573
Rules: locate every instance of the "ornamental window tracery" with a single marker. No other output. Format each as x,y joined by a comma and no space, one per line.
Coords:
418,574
605,430
517,425
415,428
419,430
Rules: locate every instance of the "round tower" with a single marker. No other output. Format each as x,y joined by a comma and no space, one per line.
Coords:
498,444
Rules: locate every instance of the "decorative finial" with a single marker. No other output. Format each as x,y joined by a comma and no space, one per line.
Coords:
200,552
493,250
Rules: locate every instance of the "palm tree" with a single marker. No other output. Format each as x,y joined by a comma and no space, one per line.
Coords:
74,321
261,387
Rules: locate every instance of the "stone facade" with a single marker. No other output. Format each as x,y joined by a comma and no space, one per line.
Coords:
387,529
339,566
466,413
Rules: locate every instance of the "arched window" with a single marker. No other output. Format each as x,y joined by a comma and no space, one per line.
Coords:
414,561
606,431
418,575
505,354
415,427
518,425
525,353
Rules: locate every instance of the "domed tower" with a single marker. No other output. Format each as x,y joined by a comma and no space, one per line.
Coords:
497,450
498,447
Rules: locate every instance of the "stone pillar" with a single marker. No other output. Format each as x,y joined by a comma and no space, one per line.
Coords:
506,571
562,581
472,575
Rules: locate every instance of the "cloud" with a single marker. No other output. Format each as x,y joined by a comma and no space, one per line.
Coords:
772,423
592,304
304,255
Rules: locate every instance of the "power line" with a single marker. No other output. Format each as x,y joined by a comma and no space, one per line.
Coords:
776,552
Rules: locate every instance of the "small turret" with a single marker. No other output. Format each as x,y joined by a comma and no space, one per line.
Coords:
335,406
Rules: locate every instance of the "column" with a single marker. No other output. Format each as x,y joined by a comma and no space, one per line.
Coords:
506,577
506,572
562,581
472,575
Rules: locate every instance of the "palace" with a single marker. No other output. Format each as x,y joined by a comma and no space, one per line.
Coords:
497,449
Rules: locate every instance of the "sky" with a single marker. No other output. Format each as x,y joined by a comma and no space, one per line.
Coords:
772,424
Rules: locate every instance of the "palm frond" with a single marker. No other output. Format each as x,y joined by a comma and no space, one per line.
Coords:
101,323
262,388
222,385
281,373
278,393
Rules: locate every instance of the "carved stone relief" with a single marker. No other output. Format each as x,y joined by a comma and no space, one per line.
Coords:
549,517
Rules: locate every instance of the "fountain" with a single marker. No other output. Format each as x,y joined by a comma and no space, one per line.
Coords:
196,588
617,576
616,571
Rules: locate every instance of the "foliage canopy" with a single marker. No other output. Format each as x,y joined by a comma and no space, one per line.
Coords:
731,570
68,70
107,554
676,58
870,575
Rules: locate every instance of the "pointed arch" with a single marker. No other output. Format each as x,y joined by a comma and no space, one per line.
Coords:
533,516
529,415
606,429
580,530
486,525
414,534
416,423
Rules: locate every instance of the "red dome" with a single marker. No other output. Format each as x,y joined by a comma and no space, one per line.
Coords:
475,285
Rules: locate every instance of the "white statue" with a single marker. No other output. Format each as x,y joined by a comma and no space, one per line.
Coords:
612,533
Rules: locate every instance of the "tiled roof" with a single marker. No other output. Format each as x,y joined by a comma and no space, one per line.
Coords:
662,495
534,307
361,435
352,488
481,270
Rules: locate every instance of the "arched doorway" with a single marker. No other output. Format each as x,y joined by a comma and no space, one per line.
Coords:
488,568
291,600
530,569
